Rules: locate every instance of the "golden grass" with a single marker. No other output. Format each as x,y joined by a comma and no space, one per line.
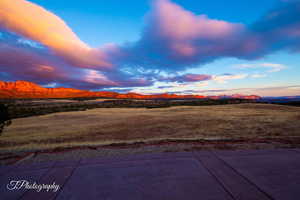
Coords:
113,125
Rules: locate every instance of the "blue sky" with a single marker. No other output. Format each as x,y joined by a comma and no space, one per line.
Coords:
155,46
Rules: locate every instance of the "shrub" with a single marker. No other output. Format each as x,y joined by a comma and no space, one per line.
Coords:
4,117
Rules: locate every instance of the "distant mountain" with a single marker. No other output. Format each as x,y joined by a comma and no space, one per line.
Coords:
282,99
235,96
25,89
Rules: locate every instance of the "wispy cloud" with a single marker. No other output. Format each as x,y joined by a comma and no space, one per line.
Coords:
258,75
170,87
96,77
225,77
289,90
273,67
201,89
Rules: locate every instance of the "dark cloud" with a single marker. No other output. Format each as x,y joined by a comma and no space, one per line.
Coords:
280,28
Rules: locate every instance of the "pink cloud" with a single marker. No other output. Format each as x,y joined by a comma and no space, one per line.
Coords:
187,78
98,78
197,77
175,22
175,38
189,34
34,22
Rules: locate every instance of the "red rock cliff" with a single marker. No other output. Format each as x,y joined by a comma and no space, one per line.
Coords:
25,89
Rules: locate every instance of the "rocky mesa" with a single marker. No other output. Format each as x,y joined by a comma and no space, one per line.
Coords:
25,89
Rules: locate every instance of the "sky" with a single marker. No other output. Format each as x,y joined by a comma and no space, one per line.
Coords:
208,47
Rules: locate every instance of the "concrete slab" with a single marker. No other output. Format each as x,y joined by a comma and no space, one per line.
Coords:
296,150
152,179
30,176
66,163
138,157
238,175
57,176
34,166
253,152
6,169
235,184
276,174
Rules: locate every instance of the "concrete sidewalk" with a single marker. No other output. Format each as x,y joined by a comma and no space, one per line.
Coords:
207,175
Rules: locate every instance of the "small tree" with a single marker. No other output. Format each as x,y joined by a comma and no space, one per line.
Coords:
4,117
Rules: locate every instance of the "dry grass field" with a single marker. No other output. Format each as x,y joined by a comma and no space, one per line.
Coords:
118,125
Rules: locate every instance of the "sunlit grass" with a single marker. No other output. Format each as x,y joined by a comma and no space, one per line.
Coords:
118,125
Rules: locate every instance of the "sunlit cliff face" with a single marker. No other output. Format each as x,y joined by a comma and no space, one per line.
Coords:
24,89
